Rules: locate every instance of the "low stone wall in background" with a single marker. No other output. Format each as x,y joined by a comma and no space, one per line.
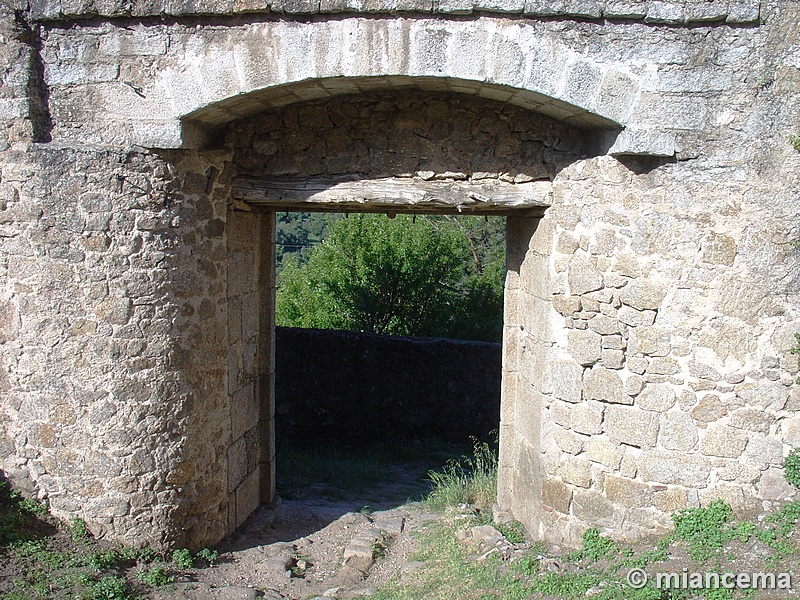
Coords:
355,386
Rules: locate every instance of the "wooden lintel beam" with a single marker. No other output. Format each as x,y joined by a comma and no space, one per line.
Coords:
394,194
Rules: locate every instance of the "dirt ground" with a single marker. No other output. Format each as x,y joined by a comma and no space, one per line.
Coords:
298,550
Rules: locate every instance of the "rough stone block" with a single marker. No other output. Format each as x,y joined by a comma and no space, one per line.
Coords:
578,472
665,11
643,142
709,409
584,346
670,500
604,325
556,495
612,359
633,385
678,432
561,414
502,6
625,9
582,276
674,468
566,305
763,451
632,426
587,419
569,442
643,294
743,11
593,507
752,419
540,8
626,492
652,341
606,386
604,452
773,486
658,397
663,366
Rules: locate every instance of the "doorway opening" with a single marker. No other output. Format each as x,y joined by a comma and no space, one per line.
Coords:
388,355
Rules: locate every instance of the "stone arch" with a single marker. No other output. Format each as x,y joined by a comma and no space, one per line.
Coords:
200,82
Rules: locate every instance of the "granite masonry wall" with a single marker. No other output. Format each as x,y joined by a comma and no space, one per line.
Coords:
650,312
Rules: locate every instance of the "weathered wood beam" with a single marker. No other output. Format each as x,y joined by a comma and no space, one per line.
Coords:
394,194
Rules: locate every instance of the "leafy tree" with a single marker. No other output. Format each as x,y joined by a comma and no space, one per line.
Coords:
436,276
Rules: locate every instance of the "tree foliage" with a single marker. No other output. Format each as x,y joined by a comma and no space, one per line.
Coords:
424,275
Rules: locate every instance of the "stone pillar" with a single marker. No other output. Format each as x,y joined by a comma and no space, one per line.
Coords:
524,345
250,362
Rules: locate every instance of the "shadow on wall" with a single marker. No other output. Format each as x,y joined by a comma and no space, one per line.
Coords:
356,386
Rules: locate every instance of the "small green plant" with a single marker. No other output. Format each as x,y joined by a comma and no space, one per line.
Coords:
31,506
110,587
595,546
378,548
794,140
791,468
207,555
182,559
156,576
78,530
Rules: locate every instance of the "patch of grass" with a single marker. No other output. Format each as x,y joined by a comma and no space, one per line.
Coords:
468,480
706,529
44,558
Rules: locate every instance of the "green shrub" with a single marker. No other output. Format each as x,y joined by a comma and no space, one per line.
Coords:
108,588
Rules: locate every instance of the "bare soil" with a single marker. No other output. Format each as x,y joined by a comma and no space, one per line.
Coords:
296,550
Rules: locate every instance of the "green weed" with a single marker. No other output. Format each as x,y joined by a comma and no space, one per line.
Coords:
469,480
706,529
595,546
78,530
182,559
208,556
156,576
31,506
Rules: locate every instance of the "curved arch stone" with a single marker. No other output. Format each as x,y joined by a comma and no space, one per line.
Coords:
283,62
216,79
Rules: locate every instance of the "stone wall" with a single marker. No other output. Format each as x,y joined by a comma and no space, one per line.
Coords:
409,133
649,314
348,386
